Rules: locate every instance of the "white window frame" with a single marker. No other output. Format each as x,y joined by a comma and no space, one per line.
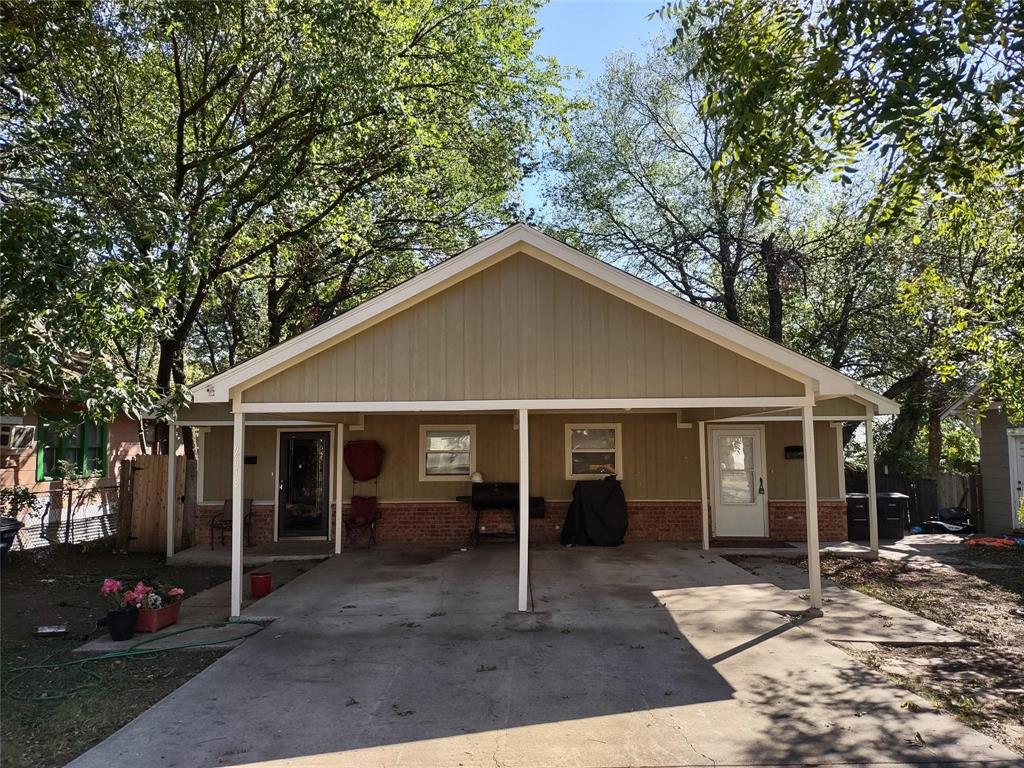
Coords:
424,428
617,426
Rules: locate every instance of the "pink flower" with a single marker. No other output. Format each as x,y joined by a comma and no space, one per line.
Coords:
111,587
175,592
128,598
140,592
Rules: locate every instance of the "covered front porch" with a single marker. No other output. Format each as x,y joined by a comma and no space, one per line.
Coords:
534,364
666,453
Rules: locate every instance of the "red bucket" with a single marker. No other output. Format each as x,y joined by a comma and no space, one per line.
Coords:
260,585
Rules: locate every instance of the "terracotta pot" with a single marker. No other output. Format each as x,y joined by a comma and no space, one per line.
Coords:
121,623
153,619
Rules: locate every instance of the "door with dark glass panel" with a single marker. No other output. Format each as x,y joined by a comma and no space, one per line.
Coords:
304,484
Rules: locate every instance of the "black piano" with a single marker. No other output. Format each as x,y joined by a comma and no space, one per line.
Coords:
499,496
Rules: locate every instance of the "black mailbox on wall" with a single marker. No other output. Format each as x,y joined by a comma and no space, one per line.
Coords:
794,451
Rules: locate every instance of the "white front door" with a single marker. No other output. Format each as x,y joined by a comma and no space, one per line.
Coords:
737,480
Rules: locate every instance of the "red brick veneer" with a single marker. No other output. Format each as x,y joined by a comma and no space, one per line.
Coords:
787,520
261,528
451,522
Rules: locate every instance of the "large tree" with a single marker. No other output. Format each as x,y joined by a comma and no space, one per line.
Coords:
634,183
927,95
641,182
208,146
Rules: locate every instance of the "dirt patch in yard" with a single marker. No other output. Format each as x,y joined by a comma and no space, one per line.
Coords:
49,716
977,591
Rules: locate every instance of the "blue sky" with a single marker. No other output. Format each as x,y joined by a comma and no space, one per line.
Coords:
580,34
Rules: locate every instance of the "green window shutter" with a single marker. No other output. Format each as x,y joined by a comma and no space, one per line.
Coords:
48,450
42,437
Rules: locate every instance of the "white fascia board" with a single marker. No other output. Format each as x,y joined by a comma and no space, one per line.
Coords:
962,406
271,423
759,418
440,406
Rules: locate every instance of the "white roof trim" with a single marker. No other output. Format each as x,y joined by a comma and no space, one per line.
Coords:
821,378
962,406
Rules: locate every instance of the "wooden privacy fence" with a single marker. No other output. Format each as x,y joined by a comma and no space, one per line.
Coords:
142,524
927,495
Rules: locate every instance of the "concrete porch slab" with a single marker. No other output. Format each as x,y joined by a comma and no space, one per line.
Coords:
198,637
281,551
798,549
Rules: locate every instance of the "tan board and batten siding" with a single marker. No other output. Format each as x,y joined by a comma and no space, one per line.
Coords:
521,330
660,461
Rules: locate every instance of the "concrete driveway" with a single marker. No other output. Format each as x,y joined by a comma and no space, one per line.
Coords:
649,655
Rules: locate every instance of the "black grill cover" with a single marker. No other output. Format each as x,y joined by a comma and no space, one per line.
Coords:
597,515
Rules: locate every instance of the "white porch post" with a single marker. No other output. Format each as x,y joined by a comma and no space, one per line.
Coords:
237,456
524,509
705,520
339,487
811,501
172,449
869,451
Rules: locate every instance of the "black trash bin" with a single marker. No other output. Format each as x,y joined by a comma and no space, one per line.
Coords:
857,517
893,515
9,528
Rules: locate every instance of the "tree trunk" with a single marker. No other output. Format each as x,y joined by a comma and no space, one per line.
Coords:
186,432
169,351
728,268
772,260
275,317
934,439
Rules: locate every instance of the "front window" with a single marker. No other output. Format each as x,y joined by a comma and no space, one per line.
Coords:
447,452
64,448
593,451
736,469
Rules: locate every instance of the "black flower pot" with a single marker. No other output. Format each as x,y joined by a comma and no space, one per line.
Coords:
121,623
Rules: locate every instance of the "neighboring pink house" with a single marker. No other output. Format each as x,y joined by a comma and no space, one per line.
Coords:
32,449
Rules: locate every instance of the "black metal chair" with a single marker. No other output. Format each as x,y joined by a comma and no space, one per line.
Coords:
222,521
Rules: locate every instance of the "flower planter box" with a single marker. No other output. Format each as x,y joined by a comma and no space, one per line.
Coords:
154,619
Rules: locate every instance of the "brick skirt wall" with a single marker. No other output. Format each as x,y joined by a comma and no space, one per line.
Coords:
261,529
451,522
787,520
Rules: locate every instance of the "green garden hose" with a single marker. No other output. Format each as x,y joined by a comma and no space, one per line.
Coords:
94,679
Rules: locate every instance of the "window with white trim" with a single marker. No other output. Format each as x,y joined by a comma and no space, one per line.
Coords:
447,452
593,451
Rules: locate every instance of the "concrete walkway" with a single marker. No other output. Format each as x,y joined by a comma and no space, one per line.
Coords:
261,554
649,655
203,619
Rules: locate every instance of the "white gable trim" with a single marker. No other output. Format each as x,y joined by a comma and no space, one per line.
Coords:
819,378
